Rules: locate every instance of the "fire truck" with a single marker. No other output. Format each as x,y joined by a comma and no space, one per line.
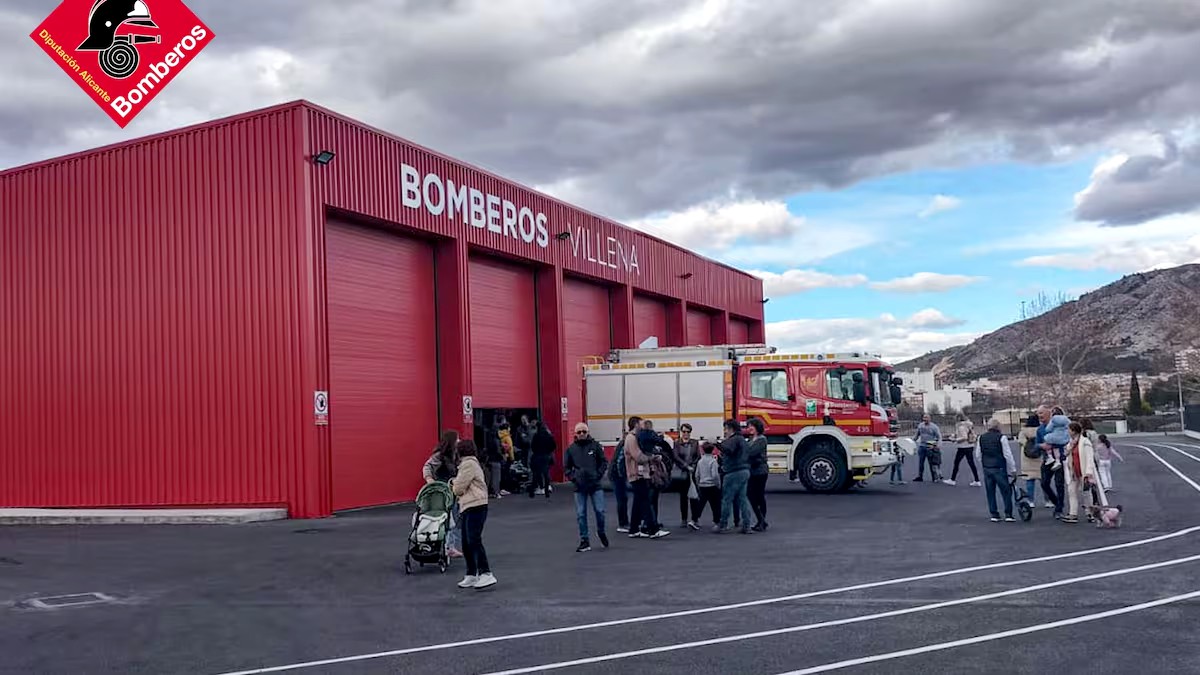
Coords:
830,418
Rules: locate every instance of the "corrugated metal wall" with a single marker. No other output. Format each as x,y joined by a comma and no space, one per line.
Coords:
150,350
365,178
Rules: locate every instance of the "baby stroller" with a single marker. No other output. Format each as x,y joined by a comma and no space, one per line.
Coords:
430,526
519,476
1024,501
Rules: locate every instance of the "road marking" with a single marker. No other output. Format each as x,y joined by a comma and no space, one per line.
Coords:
996,636
1182,452
842,622
1164,463
706,610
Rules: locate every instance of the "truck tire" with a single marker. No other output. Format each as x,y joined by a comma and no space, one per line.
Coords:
822,468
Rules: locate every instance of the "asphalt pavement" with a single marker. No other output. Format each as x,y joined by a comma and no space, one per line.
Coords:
884,579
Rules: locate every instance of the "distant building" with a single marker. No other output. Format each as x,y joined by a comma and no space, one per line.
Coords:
1188,361
921,391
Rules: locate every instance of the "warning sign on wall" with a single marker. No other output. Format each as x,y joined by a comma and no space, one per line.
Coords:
321,407
468,410
564,408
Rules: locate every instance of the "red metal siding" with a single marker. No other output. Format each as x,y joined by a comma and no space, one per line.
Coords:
504,369
382,356
150,341
739,332
649,318
587,332
366,178
699,327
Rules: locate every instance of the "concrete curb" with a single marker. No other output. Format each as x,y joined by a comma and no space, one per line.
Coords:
138,516
1192,434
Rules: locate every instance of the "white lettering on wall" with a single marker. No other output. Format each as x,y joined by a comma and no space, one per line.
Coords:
604,251
482,210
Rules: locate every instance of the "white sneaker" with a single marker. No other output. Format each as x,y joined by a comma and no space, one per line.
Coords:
660,534
976,483
949,482
1049,505
468,581
623,530
486,580
539,492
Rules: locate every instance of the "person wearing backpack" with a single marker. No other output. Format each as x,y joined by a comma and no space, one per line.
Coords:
1031,457
644,523
620,480
964,437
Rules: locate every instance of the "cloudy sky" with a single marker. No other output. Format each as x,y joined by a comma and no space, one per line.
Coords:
902,173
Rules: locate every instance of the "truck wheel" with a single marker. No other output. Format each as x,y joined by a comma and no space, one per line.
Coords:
822,469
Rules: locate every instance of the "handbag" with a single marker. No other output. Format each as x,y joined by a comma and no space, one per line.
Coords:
1031,450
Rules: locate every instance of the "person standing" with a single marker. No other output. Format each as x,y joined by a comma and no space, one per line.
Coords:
708,485
620,479
442,466
584,466
495,461
1053,437
644,522
470,487
928,435
965,440
735,463
1104,454
1031,457
995,456
543,448
756,488
655,447
685,456
1080,470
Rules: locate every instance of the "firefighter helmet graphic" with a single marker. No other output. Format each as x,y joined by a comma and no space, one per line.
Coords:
118,53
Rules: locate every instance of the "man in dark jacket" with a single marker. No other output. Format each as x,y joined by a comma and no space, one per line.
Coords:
584,466
735,464
993,452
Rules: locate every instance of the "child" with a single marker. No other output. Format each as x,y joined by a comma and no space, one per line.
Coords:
1104,454
471,489
897,476
708,484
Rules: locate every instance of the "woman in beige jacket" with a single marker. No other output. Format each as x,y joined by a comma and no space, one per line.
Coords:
1030,466
470,487
1080,470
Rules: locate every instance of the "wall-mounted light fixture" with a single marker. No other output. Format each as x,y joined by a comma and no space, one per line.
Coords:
685,275
563,236
323,157
766,300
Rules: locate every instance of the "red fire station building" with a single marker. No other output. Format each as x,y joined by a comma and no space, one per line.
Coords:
285,307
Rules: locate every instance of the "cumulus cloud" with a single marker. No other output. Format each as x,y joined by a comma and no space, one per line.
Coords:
932,318
1127,256
895,338
792,282
940,204
717,226
1130,189
925,282
662,106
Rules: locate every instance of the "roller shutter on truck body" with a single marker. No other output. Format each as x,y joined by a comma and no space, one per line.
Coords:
382,356
649,319
739,332
504,347
699,327
587,333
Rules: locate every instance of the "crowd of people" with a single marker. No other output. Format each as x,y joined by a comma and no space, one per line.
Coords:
729,479
1069,460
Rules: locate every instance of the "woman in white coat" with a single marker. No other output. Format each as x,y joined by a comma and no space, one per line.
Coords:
1080,470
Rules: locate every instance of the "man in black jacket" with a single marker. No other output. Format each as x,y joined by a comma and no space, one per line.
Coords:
543,447
584,466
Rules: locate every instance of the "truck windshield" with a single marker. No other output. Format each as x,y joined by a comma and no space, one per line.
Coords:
880,391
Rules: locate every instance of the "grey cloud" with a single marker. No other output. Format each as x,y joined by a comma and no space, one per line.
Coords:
613,111
1144,187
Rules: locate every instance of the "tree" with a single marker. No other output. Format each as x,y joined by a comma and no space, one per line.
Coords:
1042,303
1136,405
1165,393
935,409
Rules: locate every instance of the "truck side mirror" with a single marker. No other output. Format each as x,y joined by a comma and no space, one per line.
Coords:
860,393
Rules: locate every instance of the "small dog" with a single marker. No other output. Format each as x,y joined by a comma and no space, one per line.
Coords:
1106,517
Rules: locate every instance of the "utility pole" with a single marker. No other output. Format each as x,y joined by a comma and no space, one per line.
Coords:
1179,379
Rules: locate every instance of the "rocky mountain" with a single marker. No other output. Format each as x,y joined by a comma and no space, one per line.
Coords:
1136,323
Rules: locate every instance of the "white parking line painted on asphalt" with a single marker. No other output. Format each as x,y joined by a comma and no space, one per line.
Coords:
1185,453
707,610
996,636
842,622
1168,465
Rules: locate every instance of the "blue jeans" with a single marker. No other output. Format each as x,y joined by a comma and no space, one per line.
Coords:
581,504
621,492
734,495
454,536
898,470
1031,489
997,478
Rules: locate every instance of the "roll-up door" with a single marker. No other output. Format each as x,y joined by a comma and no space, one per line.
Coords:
504,349
587,332
699,327
382,364
649,318
739,332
